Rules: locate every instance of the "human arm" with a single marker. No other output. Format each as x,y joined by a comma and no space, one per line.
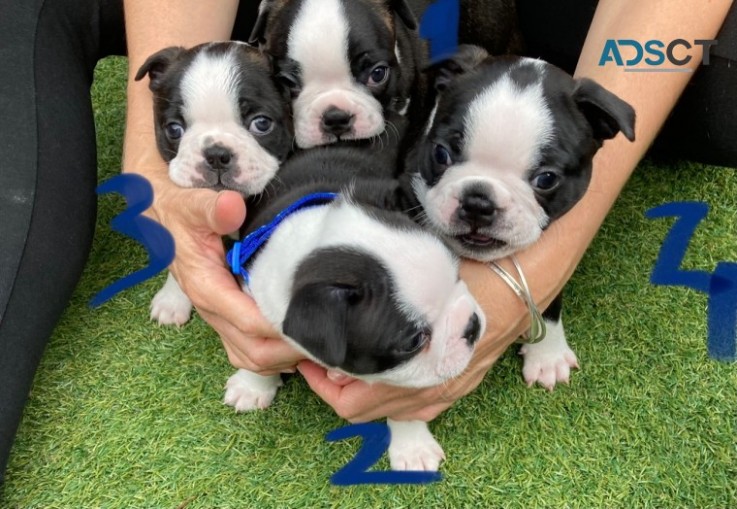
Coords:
653,95
196,218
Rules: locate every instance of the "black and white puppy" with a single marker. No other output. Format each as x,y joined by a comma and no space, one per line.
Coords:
221,123
359,287
344,63
506,150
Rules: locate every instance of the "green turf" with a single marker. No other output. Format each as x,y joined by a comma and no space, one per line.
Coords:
126,414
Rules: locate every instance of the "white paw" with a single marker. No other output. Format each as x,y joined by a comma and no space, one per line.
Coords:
549,361
247,391
170,306
413,447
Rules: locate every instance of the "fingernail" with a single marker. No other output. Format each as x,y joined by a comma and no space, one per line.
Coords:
336,376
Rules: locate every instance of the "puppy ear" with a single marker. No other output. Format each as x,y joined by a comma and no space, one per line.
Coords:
467,58
259,28
607,113
157,64
404,12
316,319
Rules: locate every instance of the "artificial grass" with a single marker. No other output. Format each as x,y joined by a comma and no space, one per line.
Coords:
125,413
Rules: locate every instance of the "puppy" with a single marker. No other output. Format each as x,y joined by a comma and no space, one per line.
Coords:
220,123
344,63
358,287
506,150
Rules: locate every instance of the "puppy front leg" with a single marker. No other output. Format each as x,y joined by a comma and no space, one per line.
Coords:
170,305
413,447
246,390
549,361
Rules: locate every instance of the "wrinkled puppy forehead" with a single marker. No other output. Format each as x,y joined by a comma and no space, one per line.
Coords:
501,111
240,59
309,22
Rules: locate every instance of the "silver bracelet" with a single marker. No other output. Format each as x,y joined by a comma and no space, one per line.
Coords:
537,323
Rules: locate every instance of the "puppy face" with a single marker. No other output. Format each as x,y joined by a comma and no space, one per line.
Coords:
220,120
339,62
370,294
507,150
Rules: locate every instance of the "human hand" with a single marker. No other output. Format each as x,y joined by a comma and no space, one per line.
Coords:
197,218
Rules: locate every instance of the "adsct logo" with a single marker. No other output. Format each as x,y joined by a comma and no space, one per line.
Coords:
661,57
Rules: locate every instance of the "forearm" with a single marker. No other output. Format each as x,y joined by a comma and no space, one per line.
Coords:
552,260
151,26
652,94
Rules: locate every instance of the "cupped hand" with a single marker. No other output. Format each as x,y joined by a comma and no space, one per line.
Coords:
197,219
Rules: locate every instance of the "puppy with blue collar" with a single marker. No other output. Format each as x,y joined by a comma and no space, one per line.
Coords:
344,63
354,284
507,149
220,123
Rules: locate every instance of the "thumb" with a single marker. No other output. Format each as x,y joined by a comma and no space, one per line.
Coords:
222,212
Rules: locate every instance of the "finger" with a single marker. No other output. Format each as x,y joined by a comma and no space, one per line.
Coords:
219,295
339,378
221,213
229,213
319,382
256,353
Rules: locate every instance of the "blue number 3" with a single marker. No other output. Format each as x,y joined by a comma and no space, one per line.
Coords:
157,241
376,438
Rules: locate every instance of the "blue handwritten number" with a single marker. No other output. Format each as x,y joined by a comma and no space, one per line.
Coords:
439,26
376,438
157,241
721,286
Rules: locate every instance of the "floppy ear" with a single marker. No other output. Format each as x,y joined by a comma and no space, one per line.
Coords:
157,64
316,319
404,12
259,28
607,113
466,59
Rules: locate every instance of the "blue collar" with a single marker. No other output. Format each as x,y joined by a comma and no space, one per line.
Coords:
244,250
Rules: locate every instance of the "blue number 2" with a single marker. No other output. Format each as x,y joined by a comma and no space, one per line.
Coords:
157,241
721,286
376,438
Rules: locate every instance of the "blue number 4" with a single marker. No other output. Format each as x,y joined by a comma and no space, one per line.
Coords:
376,438
156,239
721,286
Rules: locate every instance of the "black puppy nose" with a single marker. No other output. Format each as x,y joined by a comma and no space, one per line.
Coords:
218,157
477,209
336,121
473,330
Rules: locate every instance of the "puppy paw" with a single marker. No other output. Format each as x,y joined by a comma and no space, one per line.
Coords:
413,447
549,361
170,306
247,391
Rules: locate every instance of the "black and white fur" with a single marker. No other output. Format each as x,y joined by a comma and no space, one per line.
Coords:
506,150
344,63
221,123
359,287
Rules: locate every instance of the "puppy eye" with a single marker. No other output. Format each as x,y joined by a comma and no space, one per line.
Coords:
545,181
418,341
441,155
378,75
261,125
174,130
